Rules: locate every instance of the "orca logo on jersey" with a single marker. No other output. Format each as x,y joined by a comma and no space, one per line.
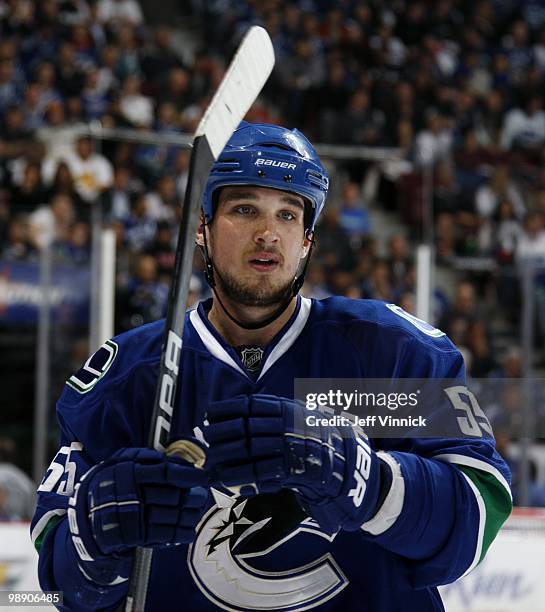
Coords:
166,391
263,161
226,577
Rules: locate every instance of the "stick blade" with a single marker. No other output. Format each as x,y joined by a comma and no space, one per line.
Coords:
245,78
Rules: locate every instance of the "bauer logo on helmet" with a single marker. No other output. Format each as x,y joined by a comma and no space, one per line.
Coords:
262,161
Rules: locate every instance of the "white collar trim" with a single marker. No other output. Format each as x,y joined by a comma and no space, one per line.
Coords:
217,350
213,346
289,337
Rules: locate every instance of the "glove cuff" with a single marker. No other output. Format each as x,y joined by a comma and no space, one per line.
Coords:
390,508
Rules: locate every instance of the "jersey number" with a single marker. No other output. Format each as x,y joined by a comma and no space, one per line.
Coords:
60,467
473,420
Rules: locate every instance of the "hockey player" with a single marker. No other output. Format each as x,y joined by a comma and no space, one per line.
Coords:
331,520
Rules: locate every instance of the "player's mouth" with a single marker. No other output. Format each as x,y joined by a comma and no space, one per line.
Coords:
264,262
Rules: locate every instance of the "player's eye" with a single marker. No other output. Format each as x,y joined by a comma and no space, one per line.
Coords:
244,209
288,215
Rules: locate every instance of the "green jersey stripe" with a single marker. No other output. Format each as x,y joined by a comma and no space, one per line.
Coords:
497,504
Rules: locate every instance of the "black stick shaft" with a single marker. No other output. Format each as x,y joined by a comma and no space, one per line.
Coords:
201,163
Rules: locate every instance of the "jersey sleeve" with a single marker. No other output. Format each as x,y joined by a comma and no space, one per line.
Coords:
449,496
59,567
104,406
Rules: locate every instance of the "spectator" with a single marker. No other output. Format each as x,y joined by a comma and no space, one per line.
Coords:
361,124
13,128
33,108
117,199
30,194
163,250
315,283
128,59
10,88
399,260
163,202
115,12
69,77
45,79
332,94
145,299
94,97
379,285
353,215
531,244
472,162
107,79
303,72
140,227
435,142
75,247
465,312
332,246
508,231
84,46
159,56
92,172
518,49
524,128
18,246
63,182
53,222
500,187
135,108
176,88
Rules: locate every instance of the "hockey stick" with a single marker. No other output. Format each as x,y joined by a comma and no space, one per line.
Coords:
244,79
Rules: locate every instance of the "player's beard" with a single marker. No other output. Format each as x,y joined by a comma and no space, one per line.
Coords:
260,296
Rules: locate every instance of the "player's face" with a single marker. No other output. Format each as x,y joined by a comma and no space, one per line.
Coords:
257,241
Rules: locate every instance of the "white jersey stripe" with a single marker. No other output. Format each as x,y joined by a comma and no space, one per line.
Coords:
482,521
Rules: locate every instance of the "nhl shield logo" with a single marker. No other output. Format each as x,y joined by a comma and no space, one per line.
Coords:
251,358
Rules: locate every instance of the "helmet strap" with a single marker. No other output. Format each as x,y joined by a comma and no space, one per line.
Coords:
208,265
291,293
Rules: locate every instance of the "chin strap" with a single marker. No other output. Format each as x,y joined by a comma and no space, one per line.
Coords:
290,293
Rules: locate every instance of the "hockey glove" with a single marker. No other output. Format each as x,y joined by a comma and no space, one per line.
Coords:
137,497
265,443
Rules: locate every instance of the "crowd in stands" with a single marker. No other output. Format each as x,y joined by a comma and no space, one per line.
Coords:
453,88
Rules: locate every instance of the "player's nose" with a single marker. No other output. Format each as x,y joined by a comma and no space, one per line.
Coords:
267,231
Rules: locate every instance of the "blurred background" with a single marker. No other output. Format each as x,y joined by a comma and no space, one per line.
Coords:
429,116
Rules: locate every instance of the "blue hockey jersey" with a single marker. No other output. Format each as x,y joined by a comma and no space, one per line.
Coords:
435,524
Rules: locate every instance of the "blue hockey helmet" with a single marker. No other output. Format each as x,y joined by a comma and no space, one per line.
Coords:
269,156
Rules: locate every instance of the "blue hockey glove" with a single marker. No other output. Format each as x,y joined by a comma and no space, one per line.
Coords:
263,443
137,497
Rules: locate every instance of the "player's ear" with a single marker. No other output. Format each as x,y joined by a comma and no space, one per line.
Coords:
307,241
199,238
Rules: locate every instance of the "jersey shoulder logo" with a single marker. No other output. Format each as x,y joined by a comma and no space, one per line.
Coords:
424,327
94,368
